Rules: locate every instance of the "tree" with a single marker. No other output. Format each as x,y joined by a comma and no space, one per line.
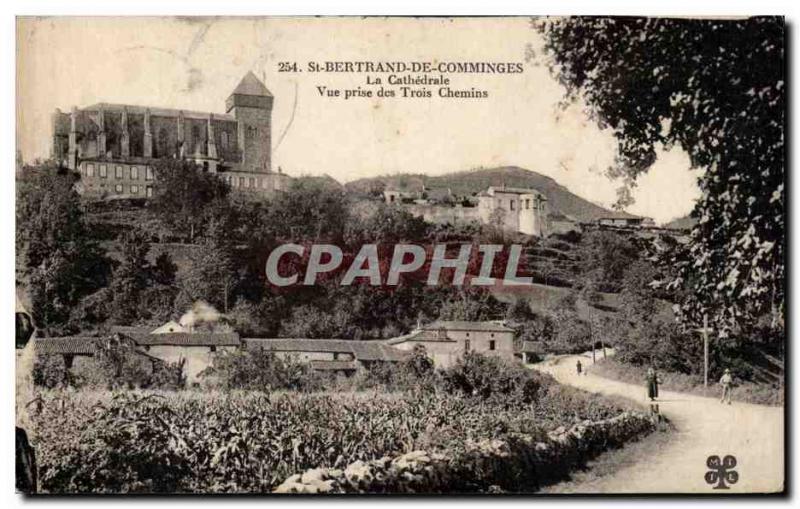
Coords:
57,257
213,274
309,210
604,256
130,278
188,196
715,88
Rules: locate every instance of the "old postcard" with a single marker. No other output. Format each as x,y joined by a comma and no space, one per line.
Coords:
442,255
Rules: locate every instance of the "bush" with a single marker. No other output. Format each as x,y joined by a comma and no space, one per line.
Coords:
491,378
260,370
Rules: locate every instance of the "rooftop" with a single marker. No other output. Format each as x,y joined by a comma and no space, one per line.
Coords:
462,325
368,350
514,190
251,85
75,345
187,339
157,111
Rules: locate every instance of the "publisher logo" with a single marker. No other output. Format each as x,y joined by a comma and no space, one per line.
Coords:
721,472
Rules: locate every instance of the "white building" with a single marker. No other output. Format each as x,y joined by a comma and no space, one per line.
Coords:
514,209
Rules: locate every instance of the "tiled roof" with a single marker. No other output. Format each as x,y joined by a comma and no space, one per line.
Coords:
300,344
187,339
334,365
155,111
67,345
251,85
515,190
461,325
530,346
128,329
421,335
370,350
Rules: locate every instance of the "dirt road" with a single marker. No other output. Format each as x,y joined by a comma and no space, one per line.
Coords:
753,434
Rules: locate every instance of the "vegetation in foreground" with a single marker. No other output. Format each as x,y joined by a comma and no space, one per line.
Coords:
250,441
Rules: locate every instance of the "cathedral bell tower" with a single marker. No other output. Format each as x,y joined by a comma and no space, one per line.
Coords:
251,105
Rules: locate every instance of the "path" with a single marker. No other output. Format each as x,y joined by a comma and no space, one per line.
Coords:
754,434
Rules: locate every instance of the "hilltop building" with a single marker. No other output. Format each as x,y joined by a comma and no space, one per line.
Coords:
113,146
514,209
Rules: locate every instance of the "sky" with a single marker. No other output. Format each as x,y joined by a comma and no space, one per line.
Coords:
195,64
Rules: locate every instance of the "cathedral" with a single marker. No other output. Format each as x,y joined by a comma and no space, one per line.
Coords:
114,145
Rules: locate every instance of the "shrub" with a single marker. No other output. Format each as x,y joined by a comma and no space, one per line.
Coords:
491,378
260,370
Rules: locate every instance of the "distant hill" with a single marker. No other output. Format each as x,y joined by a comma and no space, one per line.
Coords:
325,181
682,223
467,183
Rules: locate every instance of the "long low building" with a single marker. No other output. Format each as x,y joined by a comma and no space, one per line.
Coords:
444,342
343,355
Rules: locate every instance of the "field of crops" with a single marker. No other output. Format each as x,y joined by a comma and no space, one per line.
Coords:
249,442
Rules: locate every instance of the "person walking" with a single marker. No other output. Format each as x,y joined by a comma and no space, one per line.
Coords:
579,367
652,384
727,386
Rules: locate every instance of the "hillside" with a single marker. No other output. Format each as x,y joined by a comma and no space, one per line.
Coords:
681,223
473,181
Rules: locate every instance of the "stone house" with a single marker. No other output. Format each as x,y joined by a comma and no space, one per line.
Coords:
515,209
196,349
446,341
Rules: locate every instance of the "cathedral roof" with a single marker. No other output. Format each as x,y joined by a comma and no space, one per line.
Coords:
251,85
156,111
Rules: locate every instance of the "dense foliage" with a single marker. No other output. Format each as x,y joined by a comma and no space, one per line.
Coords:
56,257
715,88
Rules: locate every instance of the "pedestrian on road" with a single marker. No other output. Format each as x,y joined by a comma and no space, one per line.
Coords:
652,384
727,386
579,367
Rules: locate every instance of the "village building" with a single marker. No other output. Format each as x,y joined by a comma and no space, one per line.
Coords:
338,355
196,350
521,210
447,341
113,146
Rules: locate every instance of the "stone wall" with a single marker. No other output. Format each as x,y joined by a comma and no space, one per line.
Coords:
519,463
